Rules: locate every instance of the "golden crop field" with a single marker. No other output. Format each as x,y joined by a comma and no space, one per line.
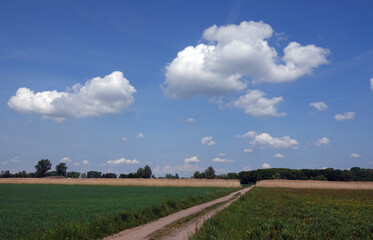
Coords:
127,182
281,183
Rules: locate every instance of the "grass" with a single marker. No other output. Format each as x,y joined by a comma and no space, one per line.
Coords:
272,213
88,212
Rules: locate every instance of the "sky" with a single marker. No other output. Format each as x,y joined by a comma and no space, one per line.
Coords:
182,85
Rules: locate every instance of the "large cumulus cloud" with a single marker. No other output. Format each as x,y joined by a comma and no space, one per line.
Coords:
235,52
97,96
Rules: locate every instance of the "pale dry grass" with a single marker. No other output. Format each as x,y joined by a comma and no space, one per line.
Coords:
314,184
128,182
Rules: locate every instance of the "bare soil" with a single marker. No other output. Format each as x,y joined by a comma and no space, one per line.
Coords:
183,232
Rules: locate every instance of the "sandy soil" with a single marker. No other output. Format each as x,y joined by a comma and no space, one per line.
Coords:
142,232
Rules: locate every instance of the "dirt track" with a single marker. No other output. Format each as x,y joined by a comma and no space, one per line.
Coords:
143,232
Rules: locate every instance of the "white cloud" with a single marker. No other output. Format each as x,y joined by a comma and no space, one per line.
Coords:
371,84
192,160
123,161
266,165
222,154
190,120
322,142
76,164
266,140
247,134
85,162
98,96
65,160
355,155
247,168
255,104
323,168
124,139
247,150
178,168
222,160
233,52
207,141
319,106
278,155
14,160
345,116
140,135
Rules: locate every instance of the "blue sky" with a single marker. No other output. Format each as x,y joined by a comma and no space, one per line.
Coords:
202,81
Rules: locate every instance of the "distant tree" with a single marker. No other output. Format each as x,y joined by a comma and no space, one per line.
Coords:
109,175
83,175
276,176
6,174
140,173
94,174
20,174
73,174
210,173
320,178
61,169
197,174
42,167
170,176
147,172
51,173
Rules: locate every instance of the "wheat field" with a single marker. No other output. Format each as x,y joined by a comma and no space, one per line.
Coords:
127,182
281,183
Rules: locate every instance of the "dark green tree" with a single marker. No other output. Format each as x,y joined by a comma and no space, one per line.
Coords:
43,167
73,174
61,169
109,175
140,173
94,174
197,174
210,173
147,172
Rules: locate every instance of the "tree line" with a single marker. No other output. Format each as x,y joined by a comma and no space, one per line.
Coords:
328,174
44,166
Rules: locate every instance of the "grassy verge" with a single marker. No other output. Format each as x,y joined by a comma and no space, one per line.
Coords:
269,213
88,212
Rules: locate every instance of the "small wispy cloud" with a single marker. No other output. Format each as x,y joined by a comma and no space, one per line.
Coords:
355,155
123,161
190,120
278,155
192,160
208,141
345,116
266,166
222,160
319,106
140,135
322,142
65,160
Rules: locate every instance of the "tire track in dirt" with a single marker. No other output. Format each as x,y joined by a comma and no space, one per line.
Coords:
142,232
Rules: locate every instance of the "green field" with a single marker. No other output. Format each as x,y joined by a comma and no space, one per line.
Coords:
50,211
270,213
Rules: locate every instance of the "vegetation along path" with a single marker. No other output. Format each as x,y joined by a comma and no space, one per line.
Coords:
168,227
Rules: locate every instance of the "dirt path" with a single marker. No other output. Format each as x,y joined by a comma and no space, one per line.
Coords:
142,232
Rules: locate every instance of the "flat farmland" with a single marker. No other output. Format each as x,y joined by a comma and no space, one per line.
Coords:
33,211
284,213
